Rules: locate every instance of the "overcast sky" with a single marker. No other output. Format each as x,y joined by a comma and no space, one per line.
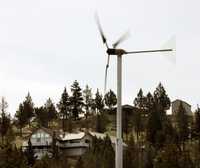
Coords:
47,44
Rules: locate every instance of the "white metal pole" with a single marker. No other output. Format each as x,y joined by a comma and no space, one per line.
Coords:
119,147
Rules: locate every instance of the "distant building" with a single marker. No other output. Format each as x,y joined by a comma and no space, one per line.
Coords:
175,106
69,144
74,144
41,140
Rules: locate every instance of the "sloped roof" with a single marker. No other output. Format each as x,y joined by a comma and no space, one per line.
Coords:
181,101
48,131
72,136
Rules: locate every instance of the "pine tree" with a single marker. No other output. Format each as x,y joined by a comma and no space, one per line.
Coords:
28,108
182,124
101,122
131,154
99,102
168,157
110,99
154,124
140,103
11,157
162,98
108,153
149,102
50,110
100,155
4,119
21,118
41,116
87,96
76,100
30,154
140,100
54,146
64,107
197,126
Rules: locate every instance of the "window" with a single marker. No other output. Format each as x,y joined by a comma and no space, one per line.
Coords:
34,136
38,135
38,139
42,135
46,135
87,141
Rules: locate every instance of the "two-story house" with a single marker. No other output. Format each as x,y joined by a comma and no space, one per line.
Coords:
41,140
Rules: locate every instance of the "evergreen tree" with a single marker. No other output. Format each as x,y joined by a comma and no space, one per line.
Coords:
93,106
54,146
21,118
108,153
154,124
101,123
162,98
110,99
76,100
168,157
182,124
197,126
50,110
149,103
87,96
4,119
99,102
41,116
137,122
28,108
100,155
64,107
157,119
10,135
11,157
30,154
130,154
140,100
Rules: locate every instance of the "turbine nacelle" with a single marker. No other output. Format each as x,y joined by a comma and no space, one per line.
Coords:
113,51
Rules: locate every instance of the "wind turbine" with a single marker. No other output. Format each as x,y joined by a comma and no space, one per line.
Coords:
119,53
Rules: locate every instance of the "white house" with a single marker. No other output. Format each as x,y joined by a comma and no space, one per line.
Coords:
74,144
69,144
41,140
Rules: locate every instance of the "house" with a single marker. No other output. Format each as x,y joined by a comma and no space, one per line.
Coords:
41,140
175,106
74,144
69,144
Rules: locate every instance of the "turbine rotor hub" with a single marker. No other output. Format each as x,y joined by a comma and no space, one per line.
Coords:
112,51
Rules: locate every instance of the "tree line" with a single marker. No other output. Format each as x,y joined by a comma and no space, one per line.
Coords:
154,139
67,109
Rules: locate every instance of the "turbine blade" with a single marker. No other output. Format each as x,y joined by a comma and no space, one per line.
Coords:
148,51
100,30
106,74
121,39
